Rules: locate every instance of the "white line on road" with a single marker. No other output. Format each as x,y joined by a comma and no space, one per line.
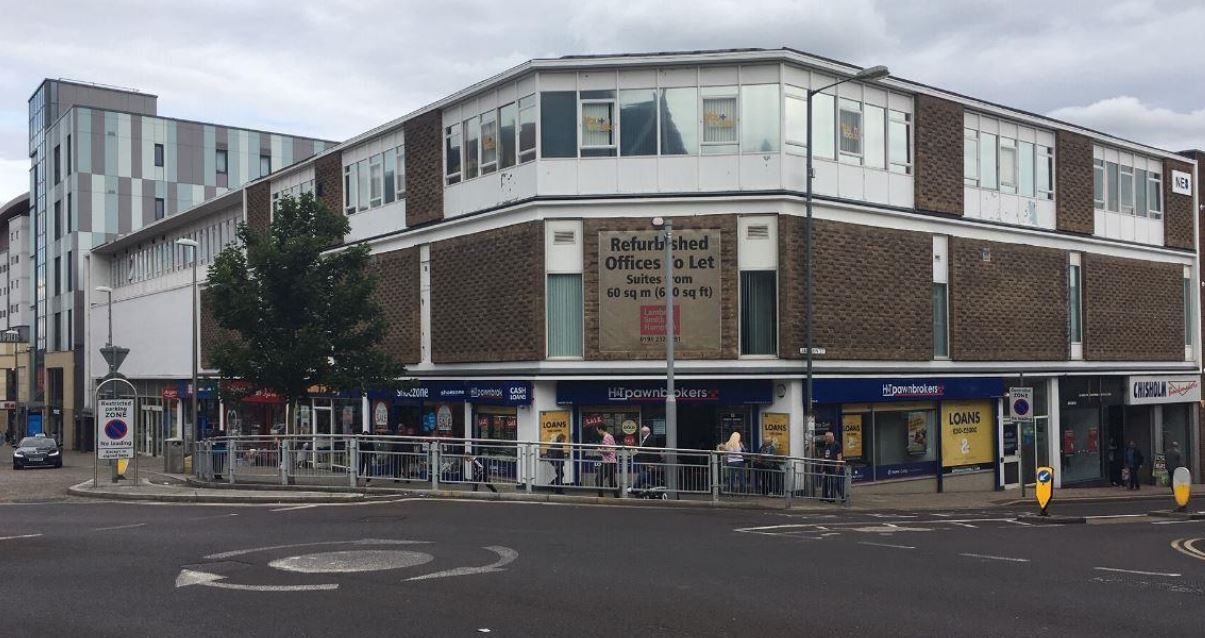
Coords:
189,577
109,529
13,538
1173,522
506,556
1116,516
962,524
1016,522
1134,571
206,518
886,545
990,557
294,507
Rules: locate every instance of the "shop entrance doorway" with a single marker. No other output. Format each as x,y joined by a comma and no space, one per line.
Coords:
1137,428
703,427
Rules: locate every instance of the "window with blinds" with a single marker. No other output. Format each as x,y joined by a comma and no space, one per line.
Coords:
564,317
598,128
719,124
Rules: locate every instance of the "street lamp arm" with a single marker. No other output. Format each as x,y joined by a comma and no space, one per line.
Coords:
865,75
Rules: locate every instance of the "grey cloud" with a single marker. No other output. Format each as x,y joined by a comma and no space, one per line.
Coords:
334,68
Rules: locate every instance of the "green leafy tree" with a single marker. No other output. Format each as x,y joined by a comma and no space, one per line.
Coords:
299,314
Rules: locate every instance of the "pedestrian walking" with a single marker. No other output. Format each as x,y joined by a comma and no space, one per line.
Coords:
1174,459
556,457
832,453
646,460
734,462
1134,461
481,474
1115,463
366,448
609,461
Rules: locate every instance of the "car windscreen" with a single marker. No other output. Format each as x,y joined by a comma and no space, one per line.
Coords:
33,441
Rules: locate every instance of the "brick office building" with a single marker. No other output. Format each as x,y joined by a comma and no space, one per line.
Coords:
961,248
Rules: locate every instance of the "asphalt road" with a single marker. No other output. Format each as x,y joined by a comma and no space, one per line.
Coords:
123,569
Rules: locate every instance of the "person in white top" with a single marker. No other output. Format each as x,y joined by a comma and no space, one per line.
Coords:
735,462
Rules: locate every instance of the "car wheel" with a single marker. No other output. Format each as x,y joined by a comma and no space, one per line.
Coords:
16,467
59,464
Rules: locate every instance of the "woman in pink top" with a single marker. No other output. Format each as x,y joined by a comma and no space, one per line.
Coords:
606,469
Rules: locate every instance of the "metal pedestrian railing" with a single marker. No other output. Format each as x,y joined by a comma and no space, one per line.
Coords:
525,466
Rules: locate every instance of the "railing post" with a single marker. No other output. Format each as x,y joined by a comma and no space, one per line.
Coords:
434,449
353,460
849,483
526,459
285,460
714,475
231,458
625,457
788,482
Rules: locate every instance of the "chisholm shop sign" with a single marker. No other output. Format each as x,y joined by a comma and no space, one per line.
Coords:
1148,390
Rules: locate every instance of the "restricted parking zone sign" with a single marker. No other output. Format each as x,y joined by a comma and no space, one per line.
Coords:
115,429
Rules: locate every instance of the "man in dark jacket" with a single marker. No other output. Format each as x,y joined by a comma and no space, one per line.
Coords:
1134,461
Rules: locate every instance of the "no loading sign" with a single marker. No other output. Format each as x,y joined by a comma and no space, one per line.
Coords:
416,559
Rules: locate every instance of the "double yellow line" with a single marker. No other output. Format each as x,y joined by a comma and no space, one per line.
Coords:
1188,547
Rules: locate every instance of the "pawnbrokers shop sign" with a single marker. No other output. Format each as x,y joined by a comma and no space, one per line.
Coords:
631,290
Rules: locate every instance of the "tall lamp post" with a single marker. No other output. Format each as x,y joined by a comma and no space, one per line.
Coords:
671,402
113,363
190,243
865,75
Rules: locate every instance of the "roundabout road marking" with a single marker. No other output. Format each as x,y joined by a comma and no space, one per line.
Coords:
506,556
351,561
189,577
1188,547
364,541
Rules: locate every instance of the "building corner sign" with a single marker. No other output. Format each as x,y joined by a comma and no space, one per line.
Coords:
1181,183
1147,390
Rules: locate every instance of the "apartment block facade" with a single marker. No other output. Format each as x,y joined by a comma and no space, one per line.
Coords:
103,164
961,248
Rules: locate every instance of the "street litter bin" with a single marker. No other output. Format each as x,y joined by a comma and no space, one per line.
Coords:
173,456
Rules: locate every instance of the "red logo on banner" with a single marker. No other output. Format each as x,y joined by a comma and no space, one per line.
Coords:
652,321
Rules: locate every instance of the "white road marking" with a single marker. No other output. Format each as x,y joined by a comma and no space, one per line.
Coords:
365,541
990,557
506,556
1115,516
13,538
963,524
941,515
1187,546
189,577
886,545
1016,522
294,507
206,518
1135,571
115,527
1173,522
351,561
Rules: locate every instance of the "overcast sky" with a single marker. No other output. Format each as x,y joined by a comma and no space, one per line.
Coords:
335,68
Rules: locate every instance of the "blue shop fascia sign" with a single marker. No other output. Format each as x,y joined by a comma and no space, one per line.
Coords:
483,392
736,392
878,390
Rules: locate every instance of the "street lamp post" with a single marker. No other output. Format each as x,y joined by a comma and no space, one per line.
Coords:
190,243
112,369
671,401
865,75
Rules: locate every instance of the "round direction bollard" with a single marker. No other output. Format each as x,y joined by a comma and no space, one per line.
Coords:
1044,489
1181,488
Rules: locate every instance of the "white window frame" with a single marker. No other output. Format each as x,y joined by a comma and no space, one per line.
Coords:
970,135
1045,154
532,107
847,157
376,180
1154,181
1075,260
351,183
453,133
735,96
906,119
581,123
791,145
1125,175
487,117
1007,144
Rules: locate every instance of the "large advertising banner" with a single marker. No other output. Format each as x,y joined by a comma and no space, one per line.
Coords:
851,444
967,432
554,428
631,290
776,428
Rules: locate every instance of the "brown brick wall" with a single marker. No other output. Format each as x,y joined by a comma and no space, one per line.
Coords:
398,294
1177,209
873,291
939,155
1199,156
328,181
424,169
1073,183
1010,308
1133,310
487,296
259,205
729,346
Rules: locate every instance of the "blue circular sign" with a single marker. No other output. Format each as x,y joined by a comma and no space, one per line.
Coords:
1021,407
1044,476
116,429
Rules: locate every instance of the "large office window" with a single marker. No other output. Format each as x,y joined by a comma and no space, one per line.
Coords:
1098,183
598,123
759,118
565,315
58,275
527,129
720,124
849,131
1112,188
795,114
220,161
970,157
506,135
1008,165
638,122
899,139
158,155
375,183
58,176
400,178
58,220
70,273
363,173
390,175
265,165
68,158
471,135
489,142
452,154
824,113
987,160
351,182
679,121
874,132
160,210
558,129
759,312
1025,173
